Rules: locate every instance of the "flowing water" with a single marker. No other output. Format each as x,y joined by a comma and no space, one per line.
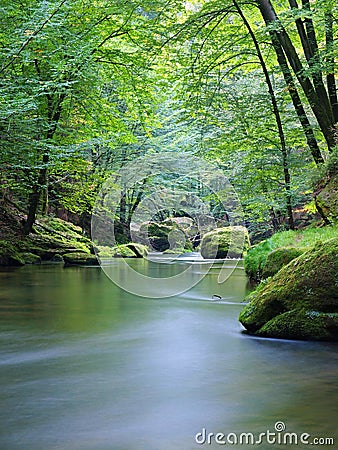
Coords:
86,365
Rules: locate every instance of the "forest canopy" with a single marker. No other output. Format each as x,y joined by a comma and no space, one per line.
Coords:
87,86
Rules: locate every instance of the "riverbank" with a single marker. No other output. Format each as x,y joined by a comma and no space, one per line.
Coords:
297,297
52,240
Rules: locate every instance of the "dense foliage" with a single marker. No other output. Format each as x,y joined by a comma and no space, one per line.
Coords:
87,87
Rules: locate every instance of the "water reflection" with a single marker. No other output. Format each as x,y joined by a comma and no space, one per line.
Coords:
85,365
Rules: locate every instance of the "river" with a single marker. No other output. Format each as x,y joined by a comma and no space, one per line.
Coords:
85,365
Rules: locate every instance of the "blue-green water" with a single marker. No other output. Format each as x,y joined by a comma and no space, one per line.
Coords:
85,365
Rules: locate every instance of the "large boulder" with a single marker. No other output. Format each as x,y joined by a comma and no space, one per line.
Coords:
50,240
155,234
300,301
326,198
131,250
279,258
47,246
227,242
80,259
9,256
174,234
30,258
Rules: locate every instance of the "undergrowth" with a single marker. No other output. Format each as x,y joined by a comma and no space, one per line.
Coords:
306,238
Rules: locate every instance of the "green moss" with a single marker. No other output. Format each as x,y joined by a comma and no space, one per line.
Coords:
327,199
47,246
308,283
279,258
159,244
79,258
51,237
174,234
157,229
30,258
304,325
57,230
130,250
57,258
9,255
255,259
62,226
139,250
257,256
227,242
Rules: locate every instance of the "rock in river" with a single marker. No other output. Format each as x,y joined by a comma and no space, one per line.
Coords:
226,242
300,301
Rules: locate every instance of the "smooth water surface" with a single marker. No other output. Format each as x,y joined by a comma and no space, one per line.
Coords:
85,365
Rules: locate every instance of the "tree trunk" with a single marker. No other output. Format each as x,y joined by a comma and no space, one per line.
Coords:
45,198
53,116
34,198
309,43
296,100
330,77
275,109
324,118
123,208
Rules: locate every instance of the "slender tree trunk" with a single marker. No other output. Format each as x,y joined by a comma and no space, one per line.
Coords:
34,198
296,100
324,118
54,114
315,63
285,153
123,208
309,43
321,213
45,198
330,77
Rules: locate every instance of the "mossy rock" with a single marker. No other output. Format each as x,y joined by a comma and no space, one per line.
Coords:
51,237
61,226
47,246
122,251
58,233
80,259
155,234
298,324
307,284
327,199
9,255
227,242
185,224
57,258
279,258
131,250
156,229
30,258
160,244
139,250
172,234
